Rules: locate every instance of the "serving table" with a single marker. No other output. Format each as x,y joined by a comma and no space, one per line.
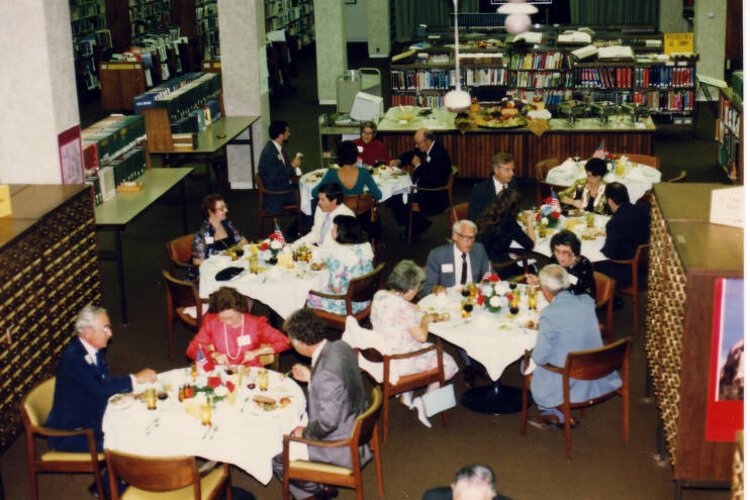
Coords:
494,339
241,433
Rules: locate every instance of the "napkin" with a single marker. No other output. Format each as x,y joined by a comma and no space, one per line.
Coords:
636,175
568,167
192,311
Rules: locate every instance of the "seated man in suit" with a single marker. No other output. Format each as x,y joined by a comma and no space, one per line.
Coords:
432,169
330,204
335,398
501,178
276,170
628,228
473,482
458,263
567,324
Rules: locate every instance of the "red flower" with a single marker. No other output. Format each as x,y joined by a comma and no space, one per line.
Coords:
509,296
537,216
230,386
611,156
491,277
555,215
264,245
480,299
548,201
214,382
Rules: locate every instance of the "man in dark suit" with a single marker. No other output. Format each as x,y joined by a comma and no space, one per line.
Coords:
473,482
501,178
335,397
276,170
628,228
432,169
458,263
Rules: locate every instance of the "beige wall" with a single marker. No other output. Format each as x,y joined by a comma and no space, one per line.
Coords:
710,34
330,47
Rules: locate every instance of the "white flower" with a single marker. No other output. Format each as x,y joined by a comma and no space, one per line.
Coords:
276,245
544,220
499,289
221,391
487,290
503,301
495,301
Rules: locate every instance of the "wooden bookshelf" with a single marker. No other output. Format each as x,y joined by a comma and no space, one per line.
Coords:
91,39
121,82
729,129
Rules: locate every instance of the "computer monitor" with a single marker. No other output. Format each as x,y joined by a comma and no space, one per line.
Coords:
366,107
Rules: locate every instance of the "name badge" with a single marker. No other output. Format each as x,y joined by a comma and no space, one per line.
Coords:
209,240
573,279
89,359
281,158
243,340
446,268
428,159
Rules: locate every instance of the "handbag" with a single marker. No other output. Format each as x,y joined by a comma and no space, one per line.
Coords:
228,273
439,400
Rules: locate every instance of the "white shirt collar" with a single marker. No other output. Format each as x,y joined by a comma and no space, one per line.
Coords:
458,262
90,350
498,185
278,146
316,352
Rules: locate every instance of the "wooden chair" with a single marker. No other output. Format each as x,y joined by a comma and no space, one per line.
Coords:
35,408
407,382
457,213
414,205
180,296
651,161
638,262
175,477
361,289
540,170
592,364
499,267
292,210
605,301
180,253
364,205
365,431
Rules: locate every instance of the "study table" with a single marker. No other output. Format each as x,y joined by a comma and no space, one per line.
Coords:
116,213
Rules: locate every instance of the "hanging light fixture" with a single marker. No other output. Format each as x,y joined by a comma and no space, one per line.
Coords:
457,100
518,17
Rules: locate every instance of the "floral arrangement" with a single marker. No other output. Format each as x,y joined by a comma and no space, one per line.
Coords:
493,293
549,213
272,245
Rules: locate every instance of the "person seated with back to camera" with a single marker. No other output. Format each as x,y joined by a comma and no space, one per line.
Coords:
230,335
372,151
566,251
405,328
567,324
588,194
348,256
499,228
330,204
215,234
500,179
472,482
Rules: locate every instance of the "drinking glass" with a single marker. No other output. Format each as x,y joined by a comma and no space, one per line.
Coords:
151,399
263,379
205,410
590,219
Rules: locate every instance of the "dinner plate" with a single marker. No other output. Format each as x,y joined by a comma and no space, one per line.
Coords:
121,401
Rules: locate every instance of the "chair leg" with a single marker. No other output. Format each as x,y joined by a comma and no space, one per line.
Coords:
568,432
409,226
524,405
99,481
378,460
285,485
34,484
635,310
385,416
444,416
358,487
625,417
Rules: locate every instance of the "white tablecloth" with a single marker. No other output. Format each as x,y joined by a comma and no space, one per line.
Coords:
494,339
282,290
389,183
637,178
242,434
590,248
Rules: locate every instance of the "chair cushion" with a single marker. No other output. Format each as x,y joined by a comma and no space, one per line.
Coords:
209,485
320,467
66,456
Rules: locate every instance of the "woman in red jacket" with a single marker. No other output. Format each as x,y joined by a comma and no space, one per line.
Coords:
230,335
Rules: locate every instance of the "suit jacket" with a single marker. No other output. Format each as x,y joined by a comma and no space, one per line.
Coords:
432,173
314,235
441,255
276,175
82,390
498,239
628,228
568,324
336,397
482,196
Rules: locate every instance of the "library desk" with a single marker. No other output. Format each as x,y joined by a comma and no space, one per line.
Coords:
210,141
116,213
472,150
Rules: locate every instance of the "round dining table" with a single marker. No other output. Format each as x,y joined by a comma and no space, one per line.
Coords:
494,339
241,432
391,181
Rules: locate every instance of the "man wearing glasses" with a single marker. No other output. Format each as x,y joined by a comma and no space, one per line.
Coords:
456,264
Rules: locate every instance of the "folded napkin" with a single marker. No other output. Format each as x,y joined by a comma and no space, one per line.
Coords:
568,167
636,175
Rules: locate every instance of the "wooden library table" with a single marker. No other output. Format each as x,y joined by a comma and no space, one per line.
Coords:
116,213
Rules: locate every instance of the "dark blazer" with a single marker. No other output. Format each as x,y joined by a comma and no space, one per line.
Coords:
276,176
432,173
482,196
480,264
335,398
82,390
497,240
628,228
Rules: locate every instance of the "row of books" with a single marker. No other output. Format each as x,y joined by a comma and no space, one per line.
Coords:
80,11
665,76
423,79
181,95
730,116
426,101
276,7
110,138
602,77
729,149
666,101
128,167
537,60
198,119
535,80
88,24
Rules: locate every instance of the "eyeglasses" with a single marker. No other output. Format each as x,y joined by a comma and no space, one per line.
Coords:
466,237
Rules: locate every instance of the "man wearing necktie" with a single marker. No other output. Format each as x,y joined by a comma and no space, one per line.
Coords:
83,385
330,204
500,179
276,170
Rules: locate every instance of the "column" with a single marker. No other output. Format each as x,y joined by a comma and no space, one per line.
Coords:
244,74
330,47
378,28
709,27
39,89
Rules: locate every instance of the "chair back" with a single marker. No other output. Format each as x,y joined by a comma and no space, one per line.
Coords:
182,294
648,160
366,423
605,299
180,252
38,403
541,168
594,364
153,474
457,213
363,288
361,204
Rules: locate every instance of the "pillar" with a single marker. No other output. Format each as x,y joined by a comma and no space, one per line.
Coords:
709,27
378,28
330,47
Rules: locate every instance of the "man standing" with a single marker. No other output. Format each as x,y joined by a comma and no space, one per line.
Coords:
628,228
501,178
335,397
458,263
330,204
567,324
83,386
276,170
432,169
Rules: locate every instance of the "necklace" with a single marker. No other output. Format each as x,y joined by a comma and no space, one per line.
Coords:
226,340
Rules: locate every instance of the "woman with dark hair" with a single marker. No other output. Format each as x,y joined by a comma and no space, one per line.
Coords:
230,335
372,151
499,228
352,179
566,251
588,194
350,256
215,234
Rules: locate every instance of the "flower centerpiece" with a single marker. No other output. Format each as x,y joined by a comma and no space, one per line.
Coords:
493,293
272,245
216,388
549,213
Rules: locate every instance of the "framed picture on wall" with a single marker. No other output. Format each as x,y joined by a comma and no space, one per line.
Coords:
71,155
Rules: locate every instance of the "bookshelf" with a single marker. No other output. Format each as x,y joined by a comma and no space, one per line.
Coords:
729,135
149,16
294,16
91,38
207,28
